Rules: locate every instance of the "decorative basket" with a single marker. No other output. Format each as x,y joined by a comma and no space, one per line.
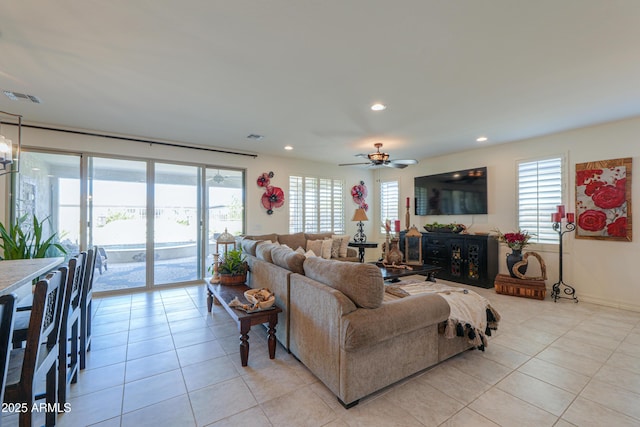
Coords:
263,298
232,279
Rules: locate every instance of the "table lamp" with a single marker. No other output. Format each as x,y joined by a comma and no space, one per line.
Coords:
360,216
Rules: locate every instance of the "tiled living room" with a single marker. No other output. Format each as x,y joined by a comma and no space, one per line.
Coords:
160,359
152,130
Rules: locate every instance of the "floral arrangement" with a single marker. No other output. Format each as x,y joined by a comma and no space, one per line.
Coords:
359,193
516,241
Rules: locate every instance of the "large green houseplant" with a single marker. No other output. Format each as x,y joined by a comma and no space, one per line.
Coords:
25,239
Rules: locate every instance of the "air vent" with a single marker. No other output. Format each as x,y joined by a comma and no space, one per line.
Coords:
15,96
255,136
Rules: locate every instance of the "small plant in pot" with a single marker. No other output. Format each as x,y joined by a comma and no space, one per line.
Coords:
233,268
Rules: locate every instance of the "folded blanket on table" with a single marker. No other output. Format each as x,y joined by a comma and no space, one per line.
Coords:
471,314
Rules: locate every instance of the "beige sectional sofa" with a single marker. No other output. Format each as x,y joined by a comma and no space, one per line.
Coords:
336,323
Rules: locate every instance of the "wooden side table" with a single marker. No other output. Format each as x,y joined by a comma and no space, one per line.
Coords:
361,247
222,295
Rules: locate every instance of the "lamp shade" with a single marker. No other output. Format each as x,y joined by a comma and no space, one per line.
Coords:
360,215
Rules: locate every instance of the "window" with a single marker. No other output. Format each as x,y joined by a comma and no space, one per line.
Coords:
388,202
539,192
316,205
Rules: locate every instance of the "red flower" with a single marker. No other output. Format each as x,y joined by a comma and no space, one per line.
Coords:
608,197
618,228
273,197
621,183
264,180
582,176
592,187
592,220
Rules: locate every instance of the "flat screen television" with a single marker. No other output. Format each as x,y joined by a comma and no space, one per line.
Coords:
462,192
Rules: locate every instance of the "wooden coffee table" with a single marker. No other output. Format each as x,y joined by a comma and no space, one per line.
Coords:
222,295
394,274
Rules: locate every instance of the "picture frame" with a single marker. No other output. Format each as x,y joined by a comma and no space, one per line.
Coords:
603,200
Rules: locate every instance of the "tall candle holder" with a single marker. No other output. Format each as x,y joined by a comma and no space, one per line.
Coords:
568,290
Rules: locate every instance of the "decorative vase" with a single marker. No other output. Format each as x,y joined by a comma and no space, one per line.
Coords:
394,256
515,257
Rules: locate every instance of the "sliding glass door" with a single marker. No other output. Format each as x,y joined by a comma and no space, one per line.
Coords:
48,187
118,222
176,224
154,222
225,205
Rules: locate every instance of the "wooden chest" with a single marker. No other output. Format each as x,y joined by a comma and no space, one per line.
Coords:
507,285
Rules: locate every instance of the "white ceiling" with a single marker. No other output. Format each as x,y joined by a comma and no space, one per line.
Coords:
304,73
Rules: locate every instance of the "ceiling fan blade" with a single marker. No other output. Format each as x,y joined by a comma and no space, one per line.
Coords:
354,164
395,165
361,155
404,161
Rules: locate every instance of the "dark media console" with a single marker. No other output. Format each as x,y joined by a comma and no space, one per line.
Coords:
464,258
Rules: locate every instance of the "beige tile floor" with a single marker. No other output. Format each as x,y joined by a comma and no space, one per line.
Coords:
159,359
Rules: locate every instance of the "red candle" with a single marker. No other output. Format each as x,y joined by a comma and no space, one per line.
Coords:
397,223
561,210
555,217
408,198
571,217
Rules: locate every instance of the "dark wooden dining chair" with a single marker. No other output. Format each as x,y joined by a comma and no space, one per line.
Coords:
40,354
69,342
86,306
7,311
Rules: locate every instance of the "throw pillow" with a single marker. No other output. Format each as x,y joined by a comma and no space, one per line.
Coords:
340,245
309,254
315,246
326,248
300,251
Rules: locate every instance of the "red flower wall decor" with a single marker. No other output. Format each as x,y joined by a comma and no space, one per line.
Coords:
273,197
359,193
603,199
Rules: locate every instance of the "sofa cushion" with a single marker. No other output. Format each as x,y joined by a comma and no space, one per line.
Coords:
273,237
362,283
263,251
318,236
249,246
294,241
289,259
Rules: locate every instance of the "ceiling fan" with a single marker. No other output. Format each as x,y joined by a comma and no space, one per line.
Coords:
382,159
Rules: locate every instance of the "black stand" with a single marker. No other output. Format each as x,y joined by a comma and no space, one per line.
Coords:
567,290
360,237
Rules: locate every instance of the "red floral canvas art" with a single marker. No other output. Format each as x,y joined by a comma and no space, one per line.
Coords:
603,199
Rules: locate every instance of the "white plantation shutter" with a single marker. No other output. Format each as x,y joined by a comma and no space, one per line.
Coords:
310,205
539,193
389,194
296,204
316,205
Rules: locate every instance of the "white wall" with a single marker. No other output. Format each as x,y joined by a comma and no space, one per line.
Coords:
601,271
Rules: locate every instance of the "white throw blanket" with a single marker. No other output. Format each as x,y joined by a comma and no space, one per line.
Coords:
469,310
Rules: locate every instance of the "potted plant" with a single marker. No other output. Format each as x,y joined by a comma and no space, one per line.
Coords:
24,240
233,268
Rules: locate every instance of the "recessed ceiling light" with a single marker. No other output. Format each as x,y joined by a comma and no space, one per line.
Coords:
378,107
288,147
482,139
